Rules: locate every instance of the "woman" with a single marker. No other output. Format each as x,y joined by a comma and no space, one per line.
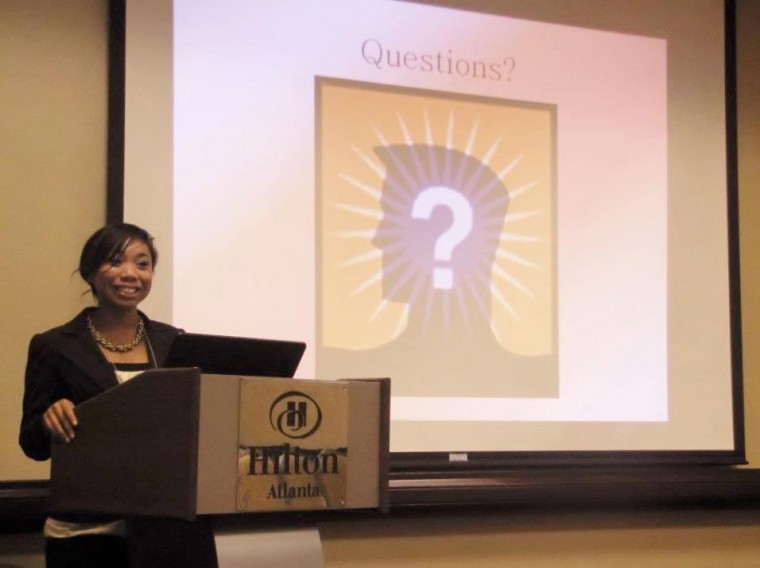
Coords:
97,350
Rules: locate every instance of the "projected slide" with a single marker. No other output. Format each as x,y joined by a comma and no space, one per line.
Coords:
476,206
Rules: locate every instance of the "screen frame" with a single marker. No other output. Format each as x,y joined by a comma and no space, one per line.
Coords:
415,462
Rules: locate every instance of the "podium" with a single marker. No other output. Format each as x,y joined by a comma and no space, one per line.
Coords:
178,443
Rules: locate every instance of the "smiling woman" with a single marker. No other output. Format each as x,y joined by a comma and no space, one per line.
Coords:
119,284
97,350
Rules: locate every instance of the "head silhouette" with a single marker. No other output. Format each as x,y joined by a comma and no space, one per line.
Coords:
443,213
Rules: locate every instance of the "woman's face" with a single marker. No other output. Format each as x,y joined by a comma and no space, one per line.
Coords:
125,281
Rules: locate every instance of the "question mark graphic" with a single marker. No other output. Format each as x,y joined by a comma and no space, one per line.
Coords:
511,63
441,196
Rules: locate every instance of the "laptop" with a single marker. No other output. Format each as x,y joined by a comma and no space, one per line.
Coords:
223,355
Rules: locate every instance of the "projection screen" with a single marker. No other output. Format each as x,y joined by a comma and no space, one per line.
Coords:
519,214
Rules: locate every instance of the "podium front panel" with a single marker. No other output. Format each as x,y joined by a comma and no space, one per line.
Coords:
288,444
135,451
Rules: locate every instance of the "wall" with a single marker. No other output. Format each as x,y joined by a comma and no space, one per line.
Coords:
569,540
53,61
52,182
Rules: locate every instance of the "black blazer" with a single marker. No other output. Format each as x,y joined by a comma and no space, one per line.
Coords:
65,362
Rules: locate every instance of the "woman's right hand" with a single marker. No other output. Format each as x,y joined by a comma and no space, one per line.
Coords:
60,420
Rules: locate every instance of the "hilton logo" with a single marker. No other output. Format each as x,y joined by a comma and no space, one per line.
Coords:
295,415
281,468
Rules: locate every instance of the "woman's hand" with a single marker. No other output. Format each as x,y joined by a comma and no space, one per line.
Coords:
60,420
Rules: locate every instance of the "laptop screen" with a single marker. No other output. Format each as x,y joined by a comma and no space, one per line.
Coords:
223,355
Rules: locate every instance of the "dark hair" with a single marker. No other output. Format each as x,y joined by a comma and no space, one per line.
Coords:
109,242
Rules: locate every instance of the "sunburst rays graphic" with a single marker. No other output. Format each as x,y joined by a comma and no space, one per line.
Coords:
444,225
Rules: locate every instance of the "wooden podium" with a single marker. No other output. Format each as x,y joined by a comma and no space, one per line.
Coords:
178,443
